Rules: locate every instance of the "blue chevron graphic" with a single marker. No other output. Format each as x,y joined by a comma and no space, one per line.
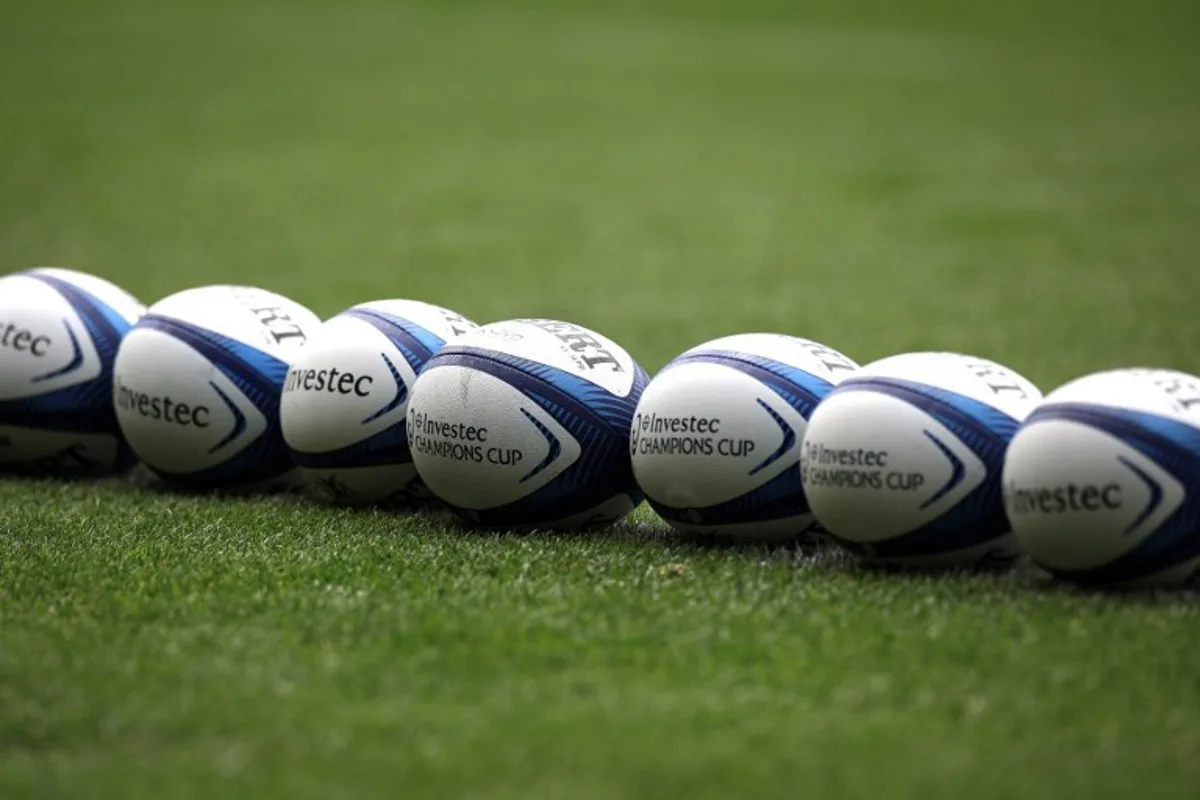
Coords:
555,447
1156,494
239,420
75,363
958,471
789,439
401,392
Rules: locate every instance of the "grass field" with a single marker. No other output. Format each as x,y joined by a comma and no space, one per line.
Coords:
1019,181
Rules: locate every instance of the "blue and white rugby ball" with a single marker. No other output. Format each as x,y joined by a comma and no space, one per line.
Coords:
716,436
346,397
196,385
1102,482
525,423
59,333
902,462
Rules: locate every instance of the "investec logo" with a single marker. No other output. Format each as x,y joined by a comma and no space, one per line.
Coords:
23,340
1070,497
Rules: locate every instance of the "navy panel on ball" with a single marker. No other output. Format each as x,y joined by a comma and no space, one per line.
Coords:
386,448
417,344
801,389
977,518
84,407
257,375
389,446
783,496
1172,445
597,419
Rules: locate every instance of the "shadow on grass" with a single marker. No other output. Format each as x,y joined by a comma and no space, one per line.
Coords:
69,477
1149,596
635,528
1022,573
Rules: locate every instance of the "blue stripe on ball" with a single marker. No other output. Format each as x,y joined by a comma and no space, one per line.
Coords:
85,407
597,419
986,431
1172,445
389,446
259,376
781,497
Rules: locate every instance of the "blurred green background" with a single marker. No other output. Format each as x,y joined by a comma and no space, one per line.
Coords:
1015,179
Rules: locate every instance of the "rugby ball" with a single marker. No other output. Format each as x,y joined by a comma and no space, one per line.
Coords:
59,333
716,436
345,399
196,385
902,462
1102,482
525,423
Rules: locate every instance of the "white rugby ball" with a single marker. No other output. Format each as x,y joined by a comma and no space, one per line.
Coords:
59,333
197,382
716,436
901,463
525,423
346,397
1102,482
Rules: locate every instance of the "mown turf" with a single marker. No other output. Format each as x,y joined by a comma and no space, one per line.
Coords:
1019,181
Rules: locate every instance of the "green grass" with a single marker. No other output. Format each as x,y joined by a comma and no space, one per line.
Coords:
1019,181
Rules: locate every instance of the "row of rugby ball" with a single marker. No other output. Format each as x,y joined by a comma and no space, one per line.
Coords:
916,459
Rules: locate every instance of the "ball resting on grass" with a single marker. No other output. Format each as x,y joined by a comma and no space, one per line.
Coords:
525,424
902,462
59,334
346,396
197,384
716,436
1102,482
